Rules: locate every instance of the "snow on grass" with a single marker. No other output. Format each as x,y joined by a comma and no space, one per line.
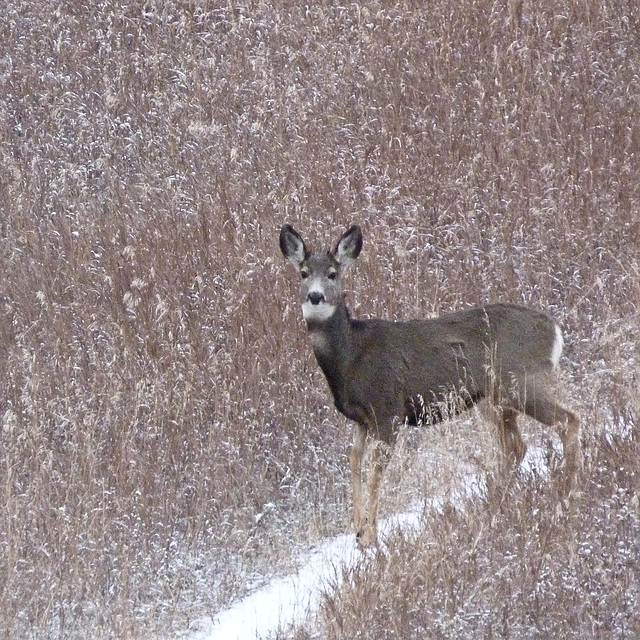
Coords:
286,599
289,599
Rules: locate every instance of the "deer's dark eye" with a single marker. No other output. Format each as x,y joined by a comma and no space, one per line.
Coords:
332,275
304,274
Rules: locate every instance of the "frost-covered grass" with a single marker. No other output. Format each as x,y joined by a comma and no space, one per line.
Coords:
520,563
167,441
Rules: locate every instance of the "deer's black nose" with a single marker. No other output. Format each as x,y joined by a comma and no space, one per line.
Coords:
315,297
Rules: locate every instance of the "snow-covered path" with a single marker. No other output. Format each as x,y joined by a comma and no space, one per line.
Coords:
288,599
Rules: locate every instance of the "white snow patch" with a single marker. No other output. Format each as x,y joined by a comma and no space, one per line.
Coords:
283,600
290,598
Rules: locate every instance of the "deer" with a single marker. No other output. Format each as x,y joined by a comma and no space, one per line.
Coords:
385,373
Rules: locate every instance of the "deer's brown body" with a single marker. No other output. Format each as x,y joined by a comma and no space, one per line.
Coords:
425,370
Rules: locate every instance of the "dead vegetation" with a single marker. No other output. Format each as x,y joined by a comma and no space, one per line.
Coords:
166,436
521,564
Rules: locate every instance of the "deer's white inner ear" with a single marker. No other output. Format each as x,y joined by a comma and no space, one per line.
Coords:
317,312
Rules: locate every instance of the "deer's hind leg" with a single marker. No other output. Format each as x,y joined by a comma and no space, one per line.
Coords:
511,443
569,430
549,411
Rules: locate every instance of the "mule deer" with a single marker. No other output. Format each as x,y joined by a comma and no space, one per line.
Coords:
422,371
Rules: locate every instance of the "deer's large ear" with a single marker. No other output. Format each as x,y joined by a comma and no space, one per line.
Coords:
292,245
348,248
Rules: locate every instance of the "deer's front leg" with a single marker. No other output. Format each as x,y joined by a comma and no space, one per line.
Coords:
355,463
380,454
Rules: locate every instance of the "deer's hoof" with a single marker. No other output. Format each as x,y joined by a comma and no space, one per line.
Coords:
366,536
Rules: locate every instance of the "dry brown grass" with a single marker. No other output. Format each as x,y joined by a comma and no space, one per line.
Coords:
522,564
156,391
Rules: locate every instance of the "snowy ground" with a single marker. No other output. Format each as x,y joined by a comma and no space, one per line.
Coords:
290,598
285,600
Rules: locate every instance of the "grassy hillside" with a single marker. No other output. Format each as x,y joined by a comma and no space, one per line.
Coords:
167,439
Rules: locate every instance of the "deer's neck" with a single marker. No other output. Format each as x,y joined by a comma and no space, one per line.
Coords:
333,345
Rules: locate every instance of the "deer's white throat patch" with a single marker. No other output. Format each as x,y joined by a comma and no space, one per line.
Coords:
317,312
319,342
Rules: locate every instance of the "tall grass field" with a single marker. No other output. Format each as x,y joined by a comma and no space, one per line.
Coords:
167,440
